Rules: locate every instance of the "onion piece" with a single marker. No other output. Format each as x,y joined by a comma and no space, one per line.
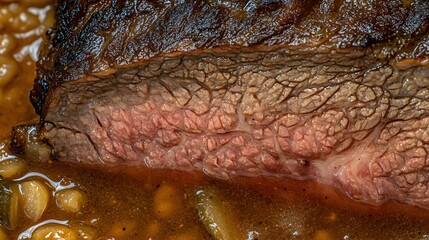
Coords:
54,232
12,167
167,200
34,197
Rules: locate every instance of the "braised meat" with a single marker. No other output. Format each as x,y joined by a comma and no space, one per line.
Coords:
331,91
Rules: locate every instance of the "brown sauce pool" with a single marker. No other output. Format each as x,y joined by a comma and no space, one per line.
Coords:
139,203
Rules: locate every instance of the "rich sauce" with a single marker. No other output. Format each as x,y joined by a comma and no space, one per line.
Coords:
139,203
22,29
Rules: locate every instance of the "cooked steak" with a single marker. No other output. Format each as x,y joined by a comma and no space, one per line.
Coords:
331,91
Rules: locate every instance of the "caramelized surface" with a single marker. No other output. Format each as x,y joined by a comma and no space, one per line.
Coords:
99,38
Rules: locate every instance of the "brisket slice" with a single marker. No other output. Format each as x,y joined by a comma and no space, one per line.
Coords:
331,91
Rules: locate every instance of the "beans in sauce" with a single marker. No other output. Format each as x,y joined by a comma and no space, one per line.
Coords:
63,201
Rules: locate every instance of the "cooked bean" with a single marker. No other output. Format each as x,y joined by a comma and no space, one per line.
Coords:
10,168
8,70
26,143
5,15
167,201
54,232
18,20
7,44
34,199
70,200
23,22
37,151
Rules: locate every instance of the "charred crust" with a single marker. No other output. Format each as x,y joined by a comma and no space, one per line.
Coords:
93,36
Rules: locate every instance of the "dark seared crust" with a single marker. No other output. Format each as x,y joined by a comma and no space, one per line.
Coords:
95,36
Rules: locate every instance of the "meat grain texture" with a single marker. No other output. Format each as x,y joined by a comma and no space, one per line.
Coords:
331,91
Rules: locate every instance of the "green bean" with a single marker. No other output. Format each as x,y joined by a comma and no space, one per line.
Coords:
8,205
215,215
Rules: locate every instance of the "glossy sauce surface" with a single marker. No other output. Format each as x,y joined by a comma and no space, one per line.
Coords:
22,29
139,203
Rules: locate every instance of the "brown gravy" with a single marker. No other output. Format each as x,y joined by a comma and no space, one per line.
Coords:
122,204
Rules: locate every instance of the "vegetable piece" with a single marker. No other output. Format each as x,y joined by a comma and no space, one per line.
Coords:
26,143
34,198
7,44
167,200
8,205
12,167
70,200
23,21
215,216
54,232
8,70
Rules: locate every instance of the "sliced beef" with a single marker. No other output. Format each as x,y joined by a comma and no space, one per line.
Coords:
330,91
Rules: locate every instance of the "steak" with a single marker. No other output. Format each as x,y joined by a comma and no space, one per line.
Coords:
331,91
